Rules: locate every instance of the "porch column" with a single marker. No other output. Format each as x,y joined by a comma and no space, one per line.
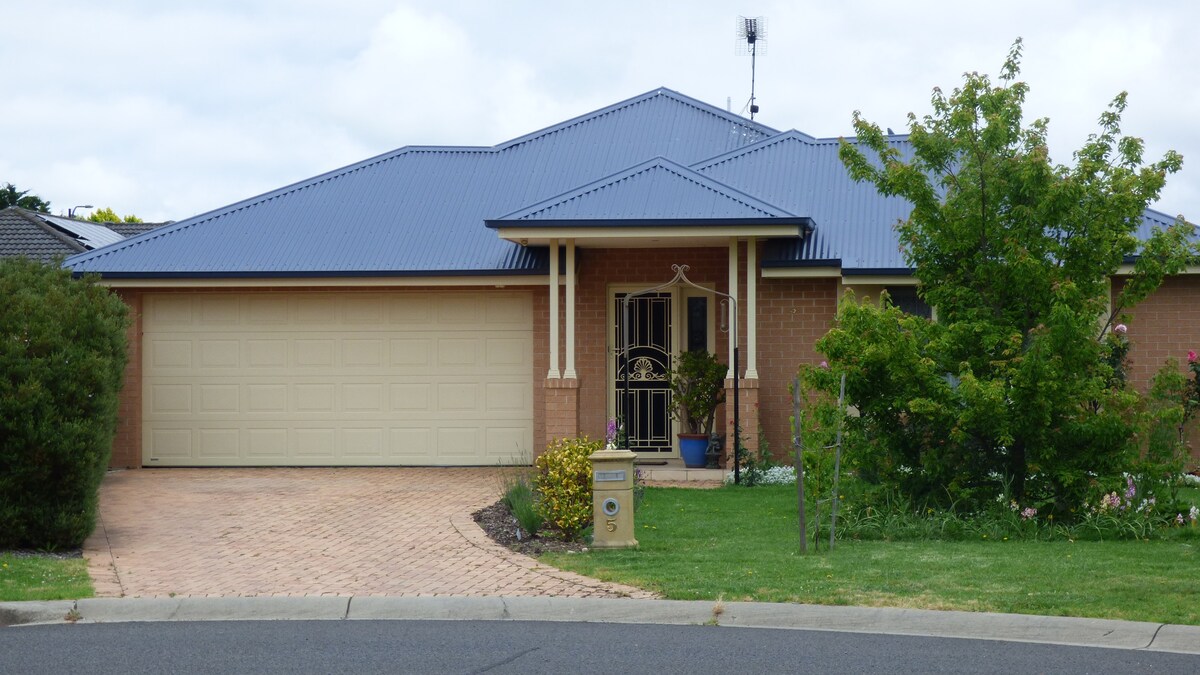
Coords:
751,309
554,373
733,291
569,373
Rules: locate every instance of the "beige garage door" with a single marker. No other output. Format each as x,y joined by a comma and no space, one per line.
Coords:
294,378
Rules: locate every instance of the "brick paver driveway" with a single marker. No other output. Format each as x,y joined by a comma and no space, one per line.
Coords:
378,531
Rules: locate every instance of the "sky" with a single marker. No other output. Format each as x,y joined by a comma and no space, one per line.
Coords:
170,109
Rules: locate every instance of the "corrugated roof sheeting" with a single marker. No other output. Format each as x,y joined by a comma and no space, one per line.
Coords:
658,189
422,209
805,176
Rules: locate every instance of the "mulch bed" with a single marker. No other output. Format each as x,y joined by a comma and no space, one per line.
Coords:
499,524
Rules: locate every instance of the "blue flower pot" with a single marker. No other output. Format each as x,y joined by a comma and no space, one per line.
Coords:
692,448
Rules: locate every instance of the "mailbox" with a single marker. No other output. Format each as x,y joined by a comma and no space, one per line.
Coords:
612,499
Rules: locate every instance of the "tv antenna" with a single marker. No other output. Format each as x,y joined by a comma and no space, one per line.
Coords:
752,36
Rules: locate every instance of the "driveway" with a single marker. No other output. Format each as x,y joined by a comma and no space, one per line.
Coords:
297,532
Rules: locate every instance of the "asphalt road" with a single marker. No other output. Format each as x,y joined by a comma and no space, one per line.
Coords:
361,646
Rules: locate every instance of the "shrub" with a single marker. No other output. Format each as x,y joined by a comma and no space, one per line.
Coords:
62,357
564,484
518,496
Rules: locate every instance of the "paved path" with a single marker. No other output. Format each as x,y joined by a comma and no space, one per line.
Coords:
310,532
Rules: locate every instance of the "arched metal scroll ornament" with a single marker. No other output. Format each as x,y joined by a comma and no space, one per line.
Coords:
727,302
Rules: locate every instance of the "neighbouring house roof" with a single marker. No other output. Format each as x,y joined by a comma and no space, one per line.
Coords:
26,233
44,237
658,160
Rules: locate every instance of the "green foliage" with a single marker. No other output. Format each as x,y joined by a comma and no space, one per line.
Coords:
742,545
697,384
11,196
1017,385
563,481
518,495
107,215
62,358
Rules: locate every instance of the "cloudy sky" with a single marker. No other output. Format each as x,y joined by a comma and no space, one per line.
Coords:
169,109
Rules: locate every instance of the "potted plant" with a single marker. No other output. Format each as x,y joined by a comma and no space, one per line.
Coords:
697,383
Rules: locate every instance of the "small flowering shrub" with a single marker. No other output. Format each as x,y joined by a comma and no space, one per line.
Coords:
563,481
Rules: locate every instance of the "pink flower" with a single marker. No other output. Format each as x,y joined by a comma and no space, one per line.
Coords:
1028,513
1120,329
1191,356
825,364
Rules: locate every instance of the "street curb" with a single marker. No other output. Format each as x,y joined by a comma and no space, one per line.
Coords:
1079,632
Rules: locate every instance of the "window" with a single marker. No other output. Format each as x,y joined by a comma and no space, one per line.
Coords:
697,324
905,298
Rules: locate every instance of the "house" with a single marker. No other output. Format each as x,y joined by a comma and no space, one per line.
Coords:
43,237
464,305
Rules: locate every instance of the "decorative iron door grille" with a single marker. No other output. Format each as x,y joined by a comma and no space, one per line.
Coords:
647,421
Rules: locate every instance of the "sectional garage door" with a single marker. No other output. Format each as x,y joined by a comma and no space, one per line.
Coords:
352,378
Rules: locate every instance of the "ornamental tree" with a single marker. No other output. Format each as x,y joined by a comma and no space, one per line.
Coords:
1019,384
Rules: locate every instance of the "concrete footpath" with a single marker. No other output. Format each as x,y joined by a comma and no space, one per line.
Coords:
975,625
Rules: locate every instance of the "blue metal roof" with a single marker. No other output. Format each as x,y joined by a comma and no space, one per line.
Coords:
420,210
657,189
660,158
854,223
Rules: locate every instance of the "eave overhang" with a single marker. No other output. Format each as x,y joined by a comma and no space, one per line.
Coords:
665,232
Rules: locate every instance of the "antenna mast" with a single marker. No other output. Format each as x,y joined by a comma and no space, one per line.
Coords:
751,32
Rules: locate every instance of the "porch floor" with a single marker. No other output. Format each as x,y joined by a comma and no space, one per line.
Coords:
673,471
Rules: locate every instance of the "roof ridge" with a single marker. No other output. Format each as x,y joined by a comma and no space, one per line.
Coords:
629,102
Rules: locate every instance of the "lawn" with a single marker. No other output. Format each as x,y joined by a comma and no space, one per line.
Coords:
741,544
41,577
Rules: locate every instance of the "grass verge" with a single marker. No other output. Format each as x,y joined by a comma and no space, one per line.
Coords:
40,577
742,544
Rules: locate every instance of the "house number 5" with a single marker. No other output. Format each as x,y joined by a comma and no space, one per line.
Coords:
611,526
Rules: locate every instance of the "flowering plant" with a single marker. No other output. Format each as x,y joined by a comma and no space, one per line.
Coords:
614,434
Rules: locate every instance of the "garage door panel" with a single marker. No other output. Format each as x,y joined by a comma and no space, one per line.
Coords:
393,378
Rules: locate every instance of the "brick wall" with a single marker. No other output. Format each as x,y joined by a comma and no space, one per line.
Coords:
792,315
1165,326
127,444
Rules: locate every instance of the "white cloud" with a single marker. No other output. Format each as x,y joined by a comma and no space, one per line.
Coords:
169,109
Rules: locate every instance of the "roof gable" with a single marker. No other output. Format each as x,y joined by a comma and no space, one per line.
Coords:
653,190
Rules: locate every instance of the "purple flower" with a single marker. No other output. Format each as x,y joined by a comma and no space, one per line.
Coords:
1120,329
610,434
1179,519
1130,490
1028,513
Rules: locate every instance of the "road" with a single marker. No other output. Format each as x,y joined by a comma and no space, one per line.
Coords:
360,646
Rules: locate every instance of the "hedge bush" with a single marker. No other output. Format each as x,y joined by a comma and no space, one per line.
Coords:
564,484
62,357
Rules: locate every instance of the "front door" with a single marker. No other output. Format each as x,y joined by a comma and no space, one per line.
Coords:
640,386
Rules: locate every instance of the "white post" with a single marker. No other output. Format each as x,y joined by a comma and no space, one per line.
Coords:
553,374
733,292
751,309
569,373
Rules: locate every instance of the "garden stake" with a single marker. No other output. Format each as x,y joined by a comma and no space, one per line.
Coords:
798,444
837,461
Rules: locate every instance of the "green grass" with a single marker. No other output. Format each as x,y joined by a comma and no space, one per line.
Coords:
741,544
43,578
